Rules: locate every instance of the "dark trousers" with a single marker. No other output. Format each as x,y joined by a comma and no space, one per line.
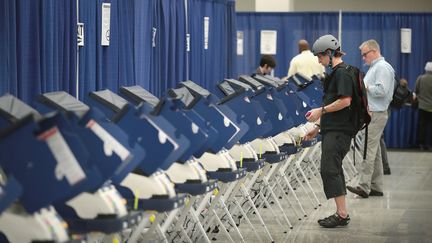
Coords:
384,157
424,127
334,147
383,146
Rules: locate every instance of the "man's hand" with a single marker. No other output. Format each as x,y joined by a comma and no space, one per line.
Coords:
311,134
313,114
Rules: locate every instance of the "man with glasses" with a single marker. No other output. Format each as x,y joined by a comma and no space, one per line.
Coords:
379,83
334,121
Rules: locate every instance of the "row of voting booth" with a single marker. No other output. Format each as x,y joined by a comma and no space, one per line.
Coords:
188,167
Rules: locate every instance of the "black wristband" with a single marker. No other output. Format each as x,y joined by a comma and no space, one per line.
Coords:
323,110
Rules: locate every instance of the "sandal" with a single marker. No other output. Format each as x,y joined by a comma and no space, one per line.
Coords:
333,221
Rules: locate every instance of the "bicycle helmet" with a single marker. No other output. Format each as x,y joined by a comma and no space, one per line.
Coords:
324,43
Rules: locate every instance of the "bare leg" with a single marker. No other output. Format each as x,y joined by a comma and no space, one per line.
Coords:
341,206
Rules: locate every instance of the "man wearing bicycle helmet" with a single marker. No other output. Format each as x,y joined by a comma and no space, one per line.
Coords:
333,122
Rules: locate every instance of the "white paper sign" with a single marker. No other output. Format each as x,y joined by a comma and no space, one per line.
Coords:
154,32
268,42
206,32
110,143
405,40
240,41
106,18
188,42
80,34
67,164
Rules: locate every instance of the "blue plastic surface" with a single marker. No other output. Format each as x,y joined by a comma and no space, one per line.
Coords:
251,165
154,133
229,115
248,110
36,168
197,188
9,193
277,112
186,123
227,176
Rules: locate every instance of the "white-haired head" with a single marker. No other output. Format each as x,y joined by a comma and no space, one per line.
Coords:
428,67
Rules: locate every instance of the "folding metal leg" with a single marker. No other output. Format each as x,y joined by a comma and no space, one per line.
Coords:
298,168
207,222
277,180
311,161
245,192
153,227
136,233
309,185
315,168
315,178
293,192
185,236
287,199
286,178
167,223
182,217
214,216
266,184
222,226
194,215
227,212
161,233
302,186
304,176
251,202
267,204
244,215
261,199
232,190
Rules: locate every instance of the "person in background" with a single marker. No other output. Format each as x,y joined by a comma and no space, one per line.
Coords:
267,64
408,100
379,83
333,121
305,62
423,94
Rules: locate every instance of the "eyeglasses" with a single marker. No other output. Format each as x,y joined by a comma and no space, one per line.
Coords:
365,54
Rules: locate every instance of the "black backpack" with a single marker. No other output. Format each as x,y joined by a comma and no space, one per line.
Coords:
359,108
401,94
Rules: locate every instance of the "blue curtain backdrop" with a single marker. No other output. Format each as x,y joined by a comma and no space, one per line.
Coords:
106,67
210,66
37,47
401,130
290,28
148,46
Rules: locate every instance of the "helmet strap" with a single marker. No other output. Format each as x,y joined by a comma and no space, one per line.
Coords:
331,58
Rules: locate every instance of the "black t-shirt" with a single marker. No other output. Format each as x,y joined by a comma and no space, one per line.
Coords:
338,84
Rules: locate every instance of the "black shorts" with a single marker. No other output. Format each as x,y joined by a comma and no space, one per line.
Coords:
334,147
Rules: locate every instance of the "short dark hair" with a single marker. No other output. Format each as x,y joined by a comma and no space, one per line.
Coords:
339,53
336,53
269,60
